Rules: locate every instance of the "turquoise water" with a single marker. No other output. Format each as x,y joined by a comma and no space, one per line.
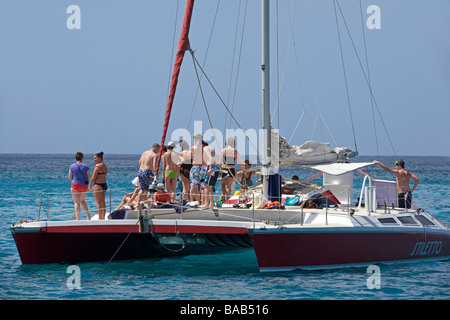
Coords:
227,276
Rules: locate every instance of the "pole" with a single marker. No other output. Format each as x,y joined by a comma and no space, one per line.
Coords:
265,67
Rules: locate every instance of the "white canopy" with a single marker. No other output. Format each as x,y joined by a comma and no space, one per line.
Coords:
339,168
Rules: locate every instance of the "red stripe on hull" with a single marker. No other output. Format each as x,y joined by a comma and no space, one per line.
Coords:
297,250
135,229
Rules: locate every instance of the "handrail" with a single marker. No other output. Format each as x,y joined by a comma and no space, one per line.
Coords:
362,189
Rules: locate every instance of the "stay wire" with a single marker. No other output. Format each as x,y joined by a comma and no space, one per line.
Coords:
345,75
223,102
204,62
368,76
173,49
206,108
239,59
365,77
232,64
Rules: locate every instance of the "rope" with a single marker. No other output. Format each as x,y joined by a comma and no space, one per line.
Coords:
280,85
223,103
365,76
204,63
115,253
368,74
173,49
345,75
239,59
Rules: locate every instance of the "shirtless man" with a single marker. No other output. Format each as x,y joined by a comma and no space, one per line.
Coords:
403,177
147,164
213,171
198,171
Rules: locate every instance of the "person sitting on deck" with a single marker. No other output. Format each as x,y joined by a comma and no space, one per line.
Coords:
161,197
130,199
246,178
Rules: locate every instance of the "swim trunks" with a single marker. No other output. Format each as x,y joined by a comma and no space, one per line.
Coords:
404,200
186,170
227,173
197,176
212,179
171,174
145,179
79,187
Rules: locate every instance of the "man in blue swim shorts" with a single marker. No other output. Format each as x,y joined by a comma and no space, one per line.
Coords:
145,179
198,177
147,164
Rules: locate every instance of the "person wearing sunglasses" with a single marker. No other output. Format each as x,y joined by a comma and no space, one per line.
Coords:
403,176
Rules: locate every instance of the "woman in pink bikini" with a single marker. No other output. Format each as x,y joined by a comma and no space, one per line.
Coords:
79,175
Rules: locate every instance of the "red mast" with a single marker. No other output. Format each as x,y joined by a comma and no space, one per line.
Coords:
182,47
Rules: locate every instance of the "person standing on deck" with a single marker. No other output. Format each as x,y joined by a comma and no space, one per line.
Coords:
79,175
197,175
147,164
184,167
100,186
403,177
228,158
170,170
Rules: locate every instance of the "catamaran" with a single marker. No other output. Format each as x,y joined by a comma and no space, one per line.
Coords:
312,226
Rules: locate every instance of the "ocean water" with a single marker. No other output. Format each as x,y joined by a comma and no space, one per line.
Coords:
228,276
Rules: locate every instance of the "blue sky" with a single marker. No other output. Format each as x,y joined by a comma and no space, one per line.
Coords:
104,87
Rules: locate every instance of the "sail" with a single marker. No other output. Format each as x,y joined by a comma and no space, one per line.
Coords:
183,45
310,153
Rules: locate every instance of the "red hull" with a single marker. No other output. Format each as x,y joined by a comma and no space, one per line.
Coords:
312,250
88,243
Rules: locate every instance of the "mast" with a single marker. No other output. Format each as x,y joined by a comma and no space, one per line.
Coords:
265,67
183,45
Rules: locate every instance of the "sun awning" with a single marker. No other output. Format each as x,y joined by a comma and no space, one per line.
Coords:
339,168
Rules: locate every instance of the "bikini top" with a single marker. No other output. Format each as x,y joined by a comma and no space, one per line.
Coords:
229,161
100,168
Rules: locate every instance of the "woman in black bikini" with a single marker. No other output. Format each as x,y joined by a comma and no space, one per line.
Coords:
185,168
229,156
100,186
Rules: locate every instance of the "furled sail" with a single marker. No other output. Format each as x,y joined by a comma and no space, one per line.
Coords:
309,153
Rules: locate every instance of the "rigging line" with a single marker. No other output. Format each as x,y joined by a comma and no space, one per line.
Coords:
314,127
239,59
298,122
204,63
368,75
301,94
232,64
120,247
223,103
345,74
173,48
367,80
206,109
277,107
203,98
278,70
328,129
300,87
